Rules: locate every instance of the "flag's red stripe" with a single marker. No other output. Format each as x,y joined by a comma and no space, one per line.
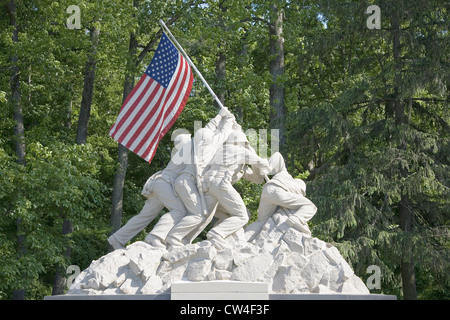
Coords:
158,122
155,109
179,85
129,109
176,103
121,133
138,115
124,117
182,104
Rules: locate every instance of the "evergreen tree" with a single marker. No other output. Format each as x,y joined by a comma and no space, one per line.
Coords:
377,135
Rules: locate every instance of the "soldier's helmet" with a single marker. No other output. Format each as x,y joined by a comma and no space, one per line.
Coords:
237,137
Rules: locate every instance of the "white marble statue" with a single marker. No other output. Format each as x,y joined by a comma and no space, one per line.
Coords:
196,186
285,194
160,194
205,144
198,182
228,166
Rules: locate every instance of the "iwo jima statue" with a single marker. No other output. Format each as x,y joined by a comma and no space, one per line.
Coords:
276,249
195,187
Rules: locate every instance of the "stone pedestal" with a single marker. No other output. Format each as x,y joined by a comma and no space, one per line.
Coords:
219,290
233,295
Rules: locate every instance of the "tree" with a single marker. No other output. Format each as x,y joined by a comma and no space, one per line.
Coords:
88,90
19,131
56,185
376,173
276,42
272,15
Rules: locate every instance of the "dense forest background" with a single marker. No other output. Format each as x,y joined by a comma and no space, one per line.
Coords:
362,113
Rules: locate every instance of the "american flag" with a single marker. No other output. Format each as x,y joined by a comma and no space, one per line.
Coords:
155,103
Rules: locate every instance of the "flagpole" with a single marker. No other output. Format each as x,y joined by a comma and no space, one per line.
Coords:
191,63
199,180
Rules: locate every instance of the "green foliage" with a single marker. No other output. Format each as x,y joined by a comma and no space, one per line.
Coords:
362,161
59,182
343,134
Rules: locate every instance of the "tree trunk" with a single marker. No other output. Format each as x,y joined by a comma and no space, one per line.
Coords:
67,120
407,264
278,113
88,90
117,195
221,59
19,128
220,74
122,156
59,283
405,210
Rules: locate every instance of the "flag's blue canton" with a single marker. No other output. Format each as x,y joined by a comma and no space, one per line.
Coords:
164,62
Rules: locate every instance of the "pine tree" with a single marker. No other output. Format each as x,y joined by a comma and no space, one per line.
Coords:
379,174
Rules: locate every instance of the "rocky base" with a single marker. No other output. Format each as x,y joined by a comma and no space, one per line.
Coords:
289,261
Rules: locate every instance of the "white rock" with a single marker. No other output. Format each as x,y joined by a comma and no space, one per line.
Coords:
131,285
354,285
152,263
312,245
270,273
269,234
284,258
222,275
322,289
332,279
181,254
224,259
143,255
288,280
122,276
197,270
152,286
313,271
111,291
92,283
105,271
294,239
333,254
296,259
170,274
254,268
206,252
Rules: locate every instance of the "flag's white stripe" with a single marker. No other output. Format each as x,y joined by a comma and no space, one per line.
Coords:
168,117
124,127
135,115
157,111
152,142
125,109
166,101
142,110
135,127
180,98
